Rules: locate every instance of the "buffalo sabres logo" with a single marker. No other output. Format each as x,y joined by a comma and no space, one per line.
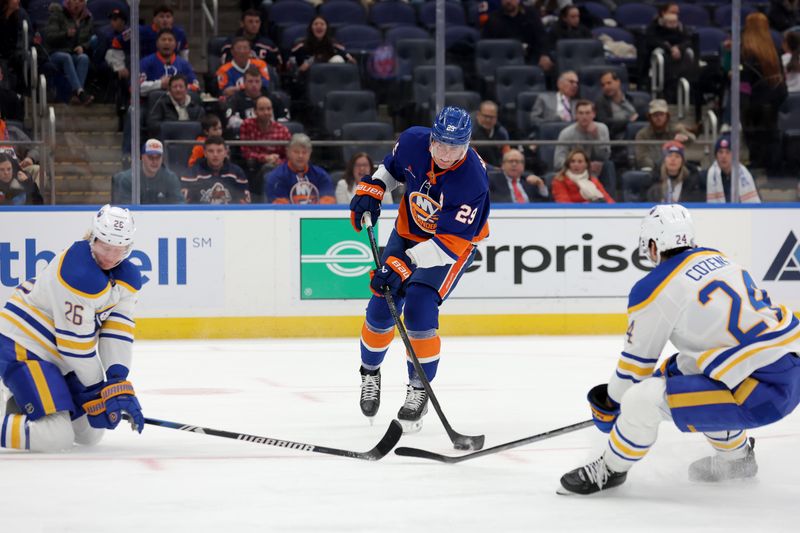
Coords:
424,209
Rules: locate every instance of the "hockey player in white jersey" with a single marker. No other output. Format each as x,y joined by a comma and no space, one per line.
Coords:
66,340
737,366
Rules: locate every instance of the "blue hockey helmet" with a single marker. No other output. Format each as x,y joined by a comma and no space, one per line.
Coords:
452,126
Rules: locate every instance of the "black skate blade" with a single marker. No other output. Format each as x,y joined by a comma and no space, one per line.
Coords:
561,491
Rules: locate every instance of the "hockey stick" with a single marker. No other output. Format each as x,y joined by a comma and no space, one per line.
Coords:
425,454
460,442
383,447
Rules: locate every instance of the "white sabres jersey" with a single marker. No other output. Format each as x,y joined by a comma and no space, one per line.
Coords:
76,315
711,310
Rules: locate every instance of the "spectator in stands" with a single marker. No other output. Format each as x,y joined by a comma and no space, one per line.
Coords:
317,47
614,108
176,104
261,47
667,33
230,76
574,184
718,177
762,90
158,68
260,160
674,180
25,156
659,129
242,104
11,37
212,127
560,105
16,187
514,21
157,184
214,179
163,19
791,60
784,14
569,26
586,128
486,128
360,165
118,57
11,103
67,37
297,181
513,184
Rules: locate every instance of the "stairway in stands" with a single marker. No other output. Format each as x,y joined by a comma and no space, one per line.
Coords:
88,145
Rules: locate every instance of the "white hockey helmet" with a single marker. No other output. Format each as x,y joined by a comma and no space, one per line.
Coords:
670,226
114,225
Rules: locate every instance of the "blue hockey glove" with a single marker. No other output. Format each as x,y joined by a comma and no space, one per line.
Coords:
604,410
392,274
106,411
369,195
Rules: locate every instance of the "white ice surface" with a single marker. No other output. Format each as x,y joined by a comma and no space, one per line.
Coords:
307,390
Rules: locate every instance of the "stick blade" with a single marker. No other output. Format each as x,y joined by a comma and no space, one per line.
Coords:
387,442
424,454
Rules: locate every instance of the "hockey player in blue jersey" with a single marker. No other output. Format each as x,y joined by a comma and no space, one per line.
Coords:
66,339
737,365
442,215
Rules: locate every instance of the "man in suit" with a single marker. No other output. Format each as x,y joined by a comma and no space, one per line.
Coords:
513,185
560,105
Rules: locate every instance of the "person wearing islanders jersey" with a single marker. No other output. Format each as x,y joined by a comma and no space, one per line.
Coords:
442,215
66,340
737,365
157,68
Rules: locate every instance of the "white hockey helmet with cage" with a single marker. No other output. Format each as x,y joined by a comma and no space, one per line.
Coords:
669,226
114,225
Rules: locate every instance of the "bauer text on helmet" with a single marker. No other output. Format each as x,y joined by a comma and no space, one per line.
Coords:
112,235
670,227
450,136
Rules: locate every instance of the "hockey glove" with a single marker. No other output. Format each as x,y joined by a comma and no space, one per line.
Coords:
604,410
392,274
106,411
369,195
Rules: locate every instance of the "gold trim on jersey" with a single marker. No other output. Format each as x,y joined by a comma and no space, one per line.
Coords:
30,309
73,289
639,371
31,334
666,280
125,285
719,372
118,326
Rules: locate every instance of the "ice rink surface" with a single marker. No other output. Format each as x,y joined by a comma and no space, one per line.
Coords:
307,390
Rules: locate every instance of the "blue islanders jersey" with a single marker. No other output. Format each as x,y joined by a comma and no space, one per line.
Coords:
76,315
449,206
710,308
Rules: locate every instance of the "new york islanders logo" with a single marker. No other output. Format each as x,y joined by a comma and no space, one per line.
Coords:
786,265
424,211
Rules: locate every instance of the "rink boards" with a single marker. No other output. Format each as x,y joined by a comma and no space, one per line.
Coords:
267,271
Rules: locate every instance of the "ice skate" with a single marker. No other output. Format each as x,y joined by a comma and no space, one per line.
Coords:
717,468
370,392
594,477
414,408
